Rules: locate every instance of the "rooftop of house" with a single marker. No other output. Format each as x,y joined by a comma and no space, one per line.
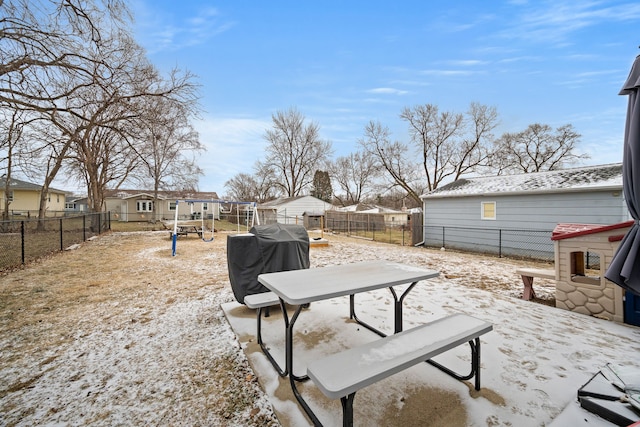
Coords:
575,179
17,184
367,208
164,195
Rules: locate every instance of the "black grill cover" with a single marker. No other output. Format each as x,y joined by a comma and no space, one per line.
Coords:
266,249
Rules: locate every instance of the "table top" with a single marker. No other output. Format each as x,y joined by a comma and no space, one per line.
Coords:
307,285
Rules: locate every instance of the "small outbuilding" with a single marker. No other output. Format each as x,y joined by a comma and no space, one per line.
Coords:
583,253
290,210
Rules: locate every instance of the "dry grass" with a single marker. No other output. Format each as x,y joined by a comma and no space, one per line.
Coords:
109,285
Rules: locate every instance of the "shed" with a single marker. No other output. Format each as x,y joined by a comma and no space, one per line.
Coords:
583,253
290,210
313,220
510,213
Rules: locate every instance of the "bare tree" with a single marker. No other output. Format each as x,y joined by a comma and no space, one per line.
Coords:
242,187
445,145
355,175
537,148
46,51
45,41
393,157
167,139
259,187
450,143
12,128
295,150
109,130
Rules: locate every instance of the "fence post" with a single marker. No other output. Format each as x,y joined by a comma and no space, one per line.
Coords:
22,239
61,243
500,243
84,228
443,236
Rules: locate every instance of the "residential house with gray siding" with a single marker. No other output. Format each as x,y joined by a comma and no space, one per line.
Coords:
516,214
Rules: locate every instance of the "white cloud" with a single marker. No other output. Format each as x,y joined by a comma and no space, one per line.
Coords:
387,91
468,62
159,32
554,21
436,72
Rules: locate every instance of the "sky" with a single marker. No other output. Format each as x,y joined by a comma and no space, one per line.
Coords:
343,64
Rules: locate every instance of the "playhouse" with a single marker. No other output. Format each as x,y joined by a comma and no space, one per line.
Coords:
583,253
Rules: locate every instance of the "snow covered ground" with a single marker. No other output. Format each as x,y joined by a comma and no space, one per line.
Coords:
532,363
119,332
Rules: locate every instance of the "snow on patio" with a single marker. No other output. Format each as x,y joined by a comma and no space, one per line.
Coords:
532,363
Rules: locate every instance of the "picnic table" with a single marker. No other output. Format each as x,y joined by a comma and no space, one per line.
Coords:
302,287
186,229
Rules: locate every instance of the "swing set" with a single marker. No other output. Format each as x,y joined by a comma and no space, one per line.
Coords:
182,229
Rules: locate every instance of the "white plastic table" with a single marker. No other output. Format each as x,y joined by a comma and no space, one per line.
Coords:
302,287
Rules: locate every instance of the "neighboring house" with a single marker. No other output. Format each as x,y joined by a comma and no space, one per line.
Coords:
509,205
24,197
137,205
391,217
290,210
76,204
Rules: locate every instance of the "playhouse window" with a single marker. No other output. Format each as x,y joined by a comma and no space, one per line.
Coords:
172,206
488,210
585,268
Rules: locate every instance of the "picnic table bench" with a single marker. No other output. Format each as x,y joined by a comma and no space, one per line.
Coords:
527,279
342,374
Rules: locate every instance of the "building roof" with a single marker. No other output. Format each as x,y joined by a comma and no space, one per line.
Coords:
273,204
368,208
586,178
16,184
569,230
279,201
163,195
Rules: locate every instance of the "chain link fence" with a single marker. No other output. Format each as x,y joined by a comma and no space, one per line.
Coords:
515,243
25,240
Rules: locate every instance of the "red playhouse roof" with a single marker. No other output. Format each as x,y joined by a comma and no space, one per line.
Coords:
568,230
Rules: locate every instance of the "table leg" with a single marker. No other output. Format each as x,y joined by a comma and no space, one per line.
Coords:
293,379
397,311
264,347
528,292
289,343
